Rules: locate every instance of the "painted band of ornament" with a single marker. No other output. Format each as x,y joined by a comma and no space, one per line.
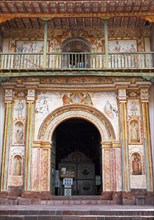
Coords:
76,111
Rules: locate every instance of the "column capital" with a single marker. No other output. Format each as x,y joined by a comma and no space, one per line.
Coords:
106,144
42,144
8,95
144,95
31,95
122,95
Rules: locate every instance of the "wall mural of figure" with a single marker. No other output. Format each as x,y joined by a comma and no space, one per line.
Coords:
109,110
43,107
136,164
134,107
17,165
19,133
134,131
19,108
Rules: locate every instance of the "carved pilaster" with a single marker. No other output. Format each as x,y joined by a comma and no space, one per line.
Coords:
29,139
144,95
124,138
107,166
7,138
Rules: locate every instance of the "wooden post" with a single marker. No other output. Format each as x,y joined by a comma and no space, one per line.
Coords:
106,43
45,49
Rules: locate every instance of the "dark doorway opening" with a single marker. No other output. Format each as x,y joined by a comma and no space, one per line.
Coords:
76,154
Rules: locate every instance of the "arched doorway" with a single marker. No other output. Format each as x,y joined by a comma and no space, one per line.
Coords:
46,138
78,158
76,53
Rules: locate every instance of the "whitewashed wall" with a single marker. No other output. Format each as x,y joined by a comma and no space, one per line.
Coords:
152,120
2,109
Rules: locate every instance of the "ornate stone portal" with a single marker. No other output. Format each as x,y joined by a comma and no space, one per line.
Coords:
120,116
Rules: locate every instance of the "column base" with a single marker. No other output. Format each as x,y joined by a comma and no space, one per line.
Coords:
44,195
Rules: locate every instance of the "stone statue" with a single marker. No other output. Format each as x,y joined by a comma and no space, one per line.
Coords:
17,165
136,164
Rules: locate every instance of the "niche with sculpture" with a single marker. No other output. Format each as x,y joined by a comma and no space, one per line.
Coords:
17,165
134,134
19,133
136,164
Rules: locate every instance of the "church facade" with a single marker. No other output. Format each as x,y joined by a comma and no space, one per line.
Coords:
77,97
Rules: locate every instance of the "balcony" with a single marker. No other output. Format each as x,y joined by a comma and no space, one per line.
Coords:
76,62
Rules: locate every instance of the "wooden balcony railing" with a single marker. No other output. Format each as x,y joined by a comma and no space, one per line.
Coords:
94,61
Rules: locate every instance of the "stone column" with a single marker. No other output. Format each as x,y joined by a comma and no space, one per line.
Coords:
45,49
124,139
29,139
144,95
45,156
107,181
41,166
7,138
106,43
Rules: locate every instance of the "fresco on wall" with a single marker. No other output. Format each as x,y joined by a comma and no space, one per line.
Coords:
136,164
19,133
125,46
77,98
137,167
134,133
29,46
133,108
20,108
105,102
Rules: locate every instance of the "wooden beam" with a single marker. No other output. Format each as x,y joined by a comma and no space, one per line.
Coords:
23,24
8,16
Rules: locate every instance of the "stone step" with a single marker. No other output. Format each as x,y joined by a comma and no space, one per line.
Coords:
74,217
74,211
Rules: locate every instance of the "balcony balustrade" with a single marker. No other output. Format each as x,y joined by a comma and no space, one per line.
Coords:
77,61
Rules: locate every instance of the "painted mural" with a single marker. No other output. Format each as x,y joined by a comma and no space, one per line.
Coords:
105,102
29,46
125,46
137,166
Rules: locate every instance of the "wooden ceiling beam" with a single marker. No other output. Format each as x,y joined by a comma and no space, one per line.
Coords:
23,24
30,22
68,23
39,25
8,16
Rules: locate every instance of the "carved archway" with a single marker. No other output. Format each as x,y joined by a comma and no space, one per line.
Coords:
75,44
76,111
